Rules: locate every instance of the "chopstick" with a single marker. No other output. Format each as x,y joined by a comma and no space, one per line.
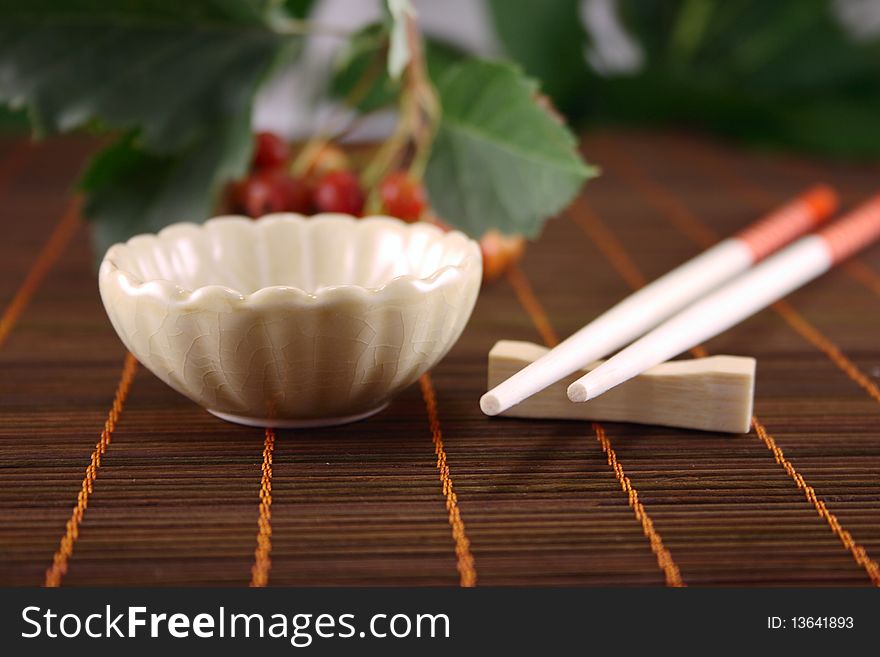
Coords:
664,297
780,274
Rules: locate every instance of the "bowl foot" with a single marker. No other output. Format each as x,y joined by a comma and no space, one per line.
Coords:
279,423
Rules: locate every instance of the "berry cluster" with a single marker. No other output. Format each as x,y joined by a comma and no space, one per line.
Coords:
326,183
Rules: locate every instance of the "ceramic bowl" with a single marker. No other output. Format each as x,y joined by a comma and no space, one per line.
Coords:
290,321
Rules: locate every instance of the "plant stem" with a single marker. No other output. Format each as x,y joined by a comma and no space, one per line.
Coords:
328,132
419,113
426,106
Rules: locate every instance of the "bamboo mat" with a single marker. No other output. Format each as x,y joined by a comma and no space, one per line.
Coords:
430,492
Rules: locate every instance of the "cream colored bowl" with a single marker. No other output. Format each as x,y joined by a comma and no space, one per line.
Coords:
291,321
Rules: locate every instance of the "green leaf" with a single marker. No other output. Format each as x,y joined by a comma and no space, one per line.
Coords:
131,191
499,160
774,73
298,8
168,68
802,80
548,41
178,77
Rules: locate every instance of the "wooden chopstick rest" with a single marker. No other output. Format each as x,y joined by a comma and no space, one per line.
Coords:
663,298
711,394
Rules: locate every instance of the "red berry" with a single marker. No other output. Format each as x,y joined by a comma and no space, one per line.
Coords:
500,252
264,192
339,191
296,195
402,196
252,196
269,151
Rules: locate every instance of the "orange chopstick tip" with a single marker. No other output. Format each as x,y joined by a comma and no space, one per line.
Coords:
853,232
800,215
822,199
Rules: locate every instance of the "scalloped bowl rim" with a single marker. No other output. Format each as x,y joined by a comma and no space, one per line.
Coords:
179,295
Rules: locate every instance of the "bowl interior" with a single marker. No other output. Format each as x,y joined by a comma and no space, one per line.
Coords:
288,250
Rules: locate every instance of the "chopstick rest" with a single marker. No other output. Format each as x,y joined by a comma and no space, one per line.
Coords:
711,394
659,300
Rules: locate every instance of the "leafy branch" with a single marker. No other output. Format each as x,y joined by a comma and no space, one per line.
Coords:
176,82
491,153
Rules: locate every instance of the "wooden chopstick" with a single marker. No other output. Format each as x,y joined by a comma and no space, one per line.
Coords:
780,274
667,295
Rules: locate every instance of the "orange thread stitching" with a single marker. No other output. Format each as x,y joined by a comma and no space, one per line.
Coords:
466,567
759,198
858,552
60,562
611,248
262,561
539,318
863,274
532,306
43,264
614,251
635,176
812,335
664,202
664,557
